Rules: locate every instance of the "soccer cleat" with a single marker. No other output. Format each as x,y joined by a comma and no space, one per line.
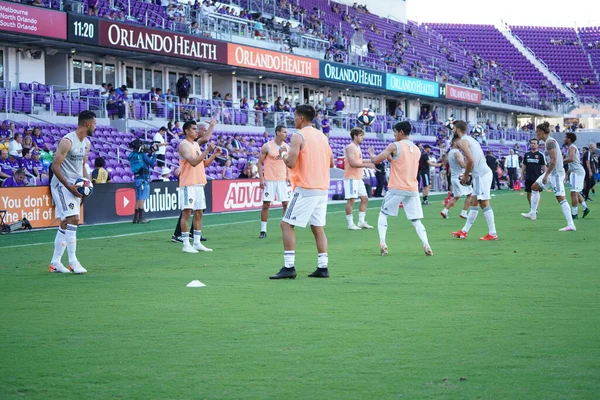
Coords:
463,216
364,225
176,239
529,215
76,268
443,214
189,249
428,251
285,273
58,268
425,202
353,228
143,221
320,273
263,235
586,212
567,229
383,249
575,216
460,234
489,237
201,247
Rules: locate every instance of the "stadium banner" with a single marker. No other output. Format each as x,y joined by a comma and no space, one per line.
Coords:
272,61
37,21
237,195
337,72
31,202
336,187
407,84
139,38
460,93
114,202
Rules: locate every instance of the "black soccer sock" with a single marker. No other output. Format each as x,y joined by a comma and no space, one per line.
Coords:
425,198
177,232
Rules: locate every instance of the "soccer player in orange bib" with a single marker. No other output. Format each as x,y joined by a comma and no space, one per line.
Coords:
309,160
403,185
354,187
273,176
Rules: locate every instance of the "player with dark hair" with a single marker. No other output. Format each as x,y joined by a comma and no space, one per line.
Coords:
354,186
553,178
68,166
533,166
457,168
576,176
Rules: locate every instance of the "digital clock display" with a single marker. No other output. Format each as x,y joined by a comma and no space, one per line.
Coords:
82,29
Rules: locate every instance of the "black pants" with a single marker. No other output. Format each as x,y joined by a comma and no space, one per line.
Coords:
160,160
495,180
178,227
512,177
380,184
588,185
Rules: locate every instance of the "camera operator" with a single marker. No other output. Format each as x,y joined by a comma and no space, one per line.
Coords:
141,160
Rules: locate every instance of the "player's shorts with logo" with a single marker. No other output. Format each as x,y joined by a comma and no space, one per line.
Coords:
411,203
459,190
577,181
307,206
67,204
192,197
276,189
482,186
556,182
354,188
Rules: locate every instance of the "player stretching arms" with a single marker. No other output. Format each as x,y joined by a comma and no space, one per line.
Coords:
192,180
577,176
403,185
354,187
553,178
457,167
533,166
68,166
309,160
482,182
273,176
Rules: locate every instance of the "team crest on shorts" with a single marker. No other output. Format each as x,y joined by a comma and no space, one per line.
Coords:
267,194
71,206
190,201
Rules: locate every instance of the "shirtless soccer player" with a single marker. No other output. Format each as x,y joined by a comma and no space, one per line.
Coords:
354,187
577,175
457,168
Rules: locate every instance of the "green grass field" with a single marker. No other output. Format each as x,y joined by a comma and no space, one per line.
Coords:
515,319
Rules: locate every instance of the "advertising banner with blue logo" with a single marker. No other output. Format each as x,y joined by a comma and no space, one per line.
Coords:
407,84
336,72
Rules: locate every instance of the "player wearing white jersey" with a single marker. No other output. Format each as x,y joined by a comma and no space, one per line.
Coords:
457,168
576,175
553,178
482,182
68,166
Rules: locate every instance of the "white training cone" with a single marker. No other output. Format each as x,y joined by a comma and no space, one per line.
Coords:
195,283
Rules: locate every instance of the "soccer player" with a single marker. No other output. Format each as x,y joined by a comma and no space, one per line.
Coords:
273,176
553,178
425,165
403,185
533,166
68,166
482,182
192,180
457,167
354,186
576,177
309,160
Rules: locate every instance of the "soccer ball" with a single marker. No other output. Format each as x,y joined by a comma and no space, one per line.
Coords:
366,117
449,123
469,179
478,130
84,187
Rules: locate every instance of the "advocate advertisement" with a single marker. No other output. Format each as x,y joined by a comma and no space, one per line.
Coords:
37,21
407,84
139,38
460,93
337,72
31,202
237,195
272,61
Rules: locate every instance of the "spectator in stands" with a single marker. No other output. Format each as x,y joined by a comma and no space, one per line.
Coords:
38,166
287,106
99,174
112,106
165,174
278,105
398,113
38,140
252,150
16,145
38,3
27,142
227,172
237,150
434,116
6,167
5,134
176,130
183,86
26,163
17,180
325,125
557,128
160,141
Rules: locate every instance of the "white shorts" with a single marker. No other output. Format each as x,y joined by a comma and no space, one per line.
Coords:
67,205
459,190
411,205
279,189
354,188
482,186
307,206
576,181
192,197
555,182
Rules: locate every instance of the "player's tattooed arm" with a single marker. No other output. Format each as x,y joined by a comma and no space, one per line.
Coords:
551,147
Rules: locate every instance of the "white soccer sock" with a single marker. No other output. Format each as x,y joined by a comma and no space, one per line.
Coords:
263,226
197,237
382,227
421,231
488,213
185,238
322,260
445,211
289,258
361,217
350,219
567,213
473,212
574,210
60,245
535,199
71,238
584,205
